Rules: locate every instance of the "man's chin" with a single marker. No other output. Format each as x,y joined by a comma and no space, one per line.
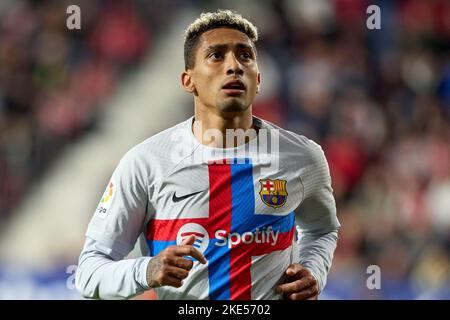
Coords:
233,105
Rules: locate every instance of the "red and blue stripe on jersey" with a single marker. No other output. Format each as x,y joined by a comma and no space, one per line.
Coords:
231,208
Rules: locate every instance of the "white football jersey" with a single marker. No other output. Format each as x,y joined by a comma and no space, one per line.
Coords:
247,207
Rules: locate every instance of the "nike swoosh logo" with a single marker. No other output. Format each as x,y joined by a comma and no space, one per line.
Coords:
178,199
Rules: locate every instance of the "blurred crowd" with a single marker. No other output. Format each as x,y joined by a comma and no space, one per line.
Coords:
378,101
55,81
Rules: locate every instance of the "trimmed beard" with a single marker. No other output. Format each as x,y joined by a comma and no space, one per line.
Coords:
232,105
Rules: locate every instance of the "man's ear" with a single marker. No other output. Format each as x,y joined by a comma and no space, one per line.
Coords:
186,81
258,81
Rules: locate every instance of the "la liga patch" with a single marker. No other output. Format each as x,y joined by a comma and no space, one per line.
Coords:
105,202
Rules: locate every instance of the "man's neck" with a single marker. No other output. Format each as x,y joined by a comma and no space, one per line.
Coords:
212,129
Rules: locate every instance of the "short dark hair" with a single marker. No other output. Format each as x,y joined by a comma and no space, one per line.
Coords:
213,20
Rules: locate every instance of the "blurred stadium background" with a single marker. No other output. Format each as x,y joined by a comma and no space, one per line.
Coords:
73,101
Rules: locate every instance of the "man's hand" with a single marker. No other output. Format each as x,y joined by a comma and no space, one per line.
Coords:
300,284
169,267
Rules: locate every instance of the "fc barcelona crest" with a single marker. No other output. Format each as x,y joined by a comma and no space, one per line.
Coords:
273,192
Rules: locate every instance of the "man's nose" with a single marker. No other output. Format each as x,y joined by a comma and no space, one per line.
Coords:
233,65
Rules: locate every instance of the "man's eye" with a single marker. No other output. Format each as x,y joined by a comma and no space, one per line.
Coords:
215,55
245,55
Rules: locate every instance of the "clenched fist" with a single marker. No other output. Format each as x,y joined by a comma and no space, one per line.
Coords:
169,268
300,284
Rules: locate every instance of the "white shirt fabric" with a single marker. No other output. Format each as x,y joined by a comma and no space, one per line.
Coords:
268,205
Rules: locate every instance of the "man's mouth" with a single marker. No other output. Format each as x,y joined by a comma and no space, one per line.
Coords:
234,87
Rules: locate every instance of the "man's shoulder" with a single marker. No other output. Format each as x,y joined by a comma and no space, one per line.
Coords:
161,141
159,151
290,141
